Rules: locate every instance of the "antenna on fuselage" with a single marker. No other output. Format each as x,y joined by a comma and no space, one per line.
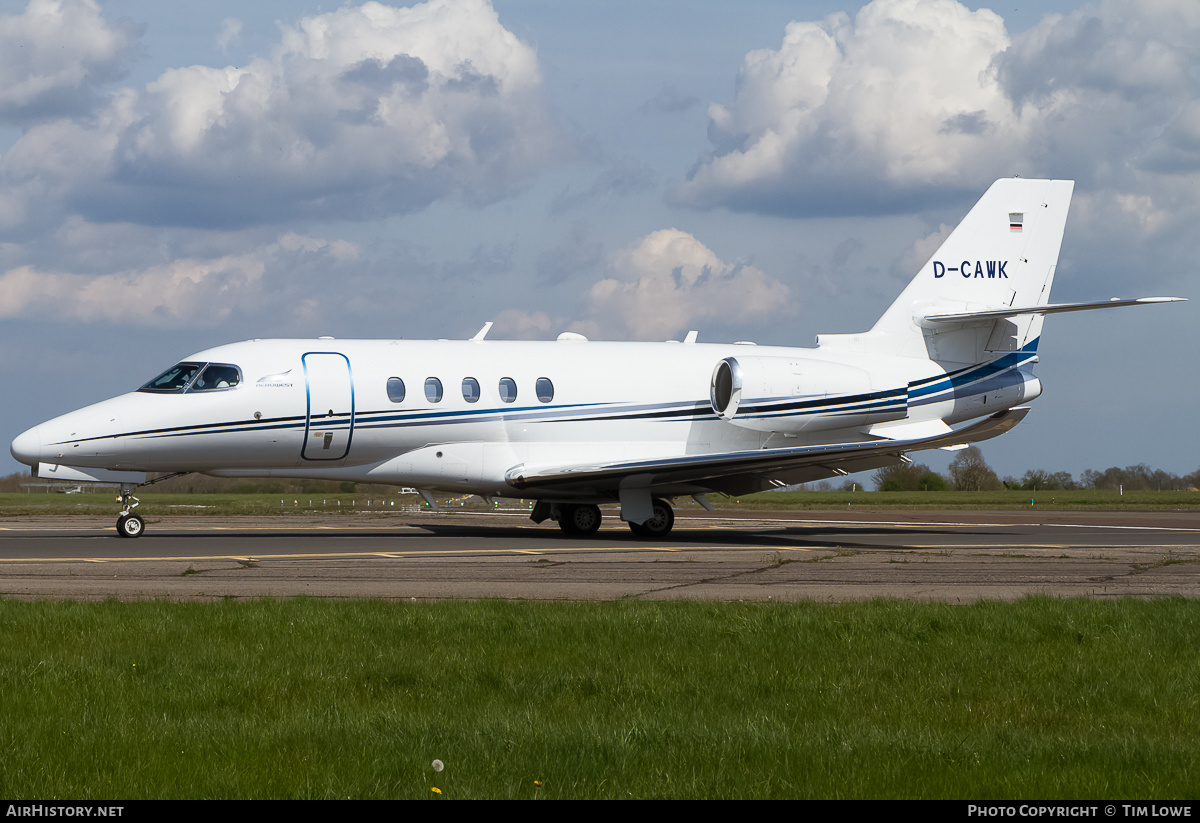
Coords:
482,333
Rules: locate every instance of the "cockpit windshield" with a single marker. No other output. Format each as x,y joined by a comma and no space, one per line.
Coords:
195,377
174,379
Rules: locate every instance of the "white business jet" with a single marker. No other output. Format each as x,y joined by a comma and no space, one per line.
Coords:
573,424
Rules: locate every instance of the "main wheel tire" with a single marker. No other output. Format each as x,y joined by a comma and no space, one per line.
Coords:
130,525
579,521
660,523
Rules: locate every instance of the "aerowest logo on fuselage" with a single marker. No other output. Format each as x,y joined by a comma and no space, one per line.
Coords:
991,269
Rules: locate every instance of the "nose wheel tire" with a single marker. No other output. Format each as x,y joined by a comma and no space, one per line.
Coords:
130,525
659,525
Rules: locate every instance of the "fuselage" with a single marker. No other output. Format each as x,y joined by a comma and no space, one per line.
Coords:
461,415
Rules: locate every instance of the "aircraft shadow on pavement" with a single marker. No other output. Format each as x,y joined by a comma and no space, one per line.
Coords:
788,537
795,537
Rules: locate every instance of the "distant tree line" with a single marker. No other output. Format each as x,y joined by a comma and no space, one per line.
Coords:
970,472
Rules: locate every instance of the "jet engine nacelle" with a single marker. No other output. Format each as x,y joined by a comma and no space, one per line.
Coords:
789,395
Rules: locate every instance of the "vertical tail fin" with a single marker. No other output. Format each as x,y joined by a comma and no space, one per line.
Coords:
1002,254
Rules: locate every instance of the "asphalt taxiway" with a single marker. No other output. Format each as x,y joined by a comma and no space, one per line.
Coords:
849,555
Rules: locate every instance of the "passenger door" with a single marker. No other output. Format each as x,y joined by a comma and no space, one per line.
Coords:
330,415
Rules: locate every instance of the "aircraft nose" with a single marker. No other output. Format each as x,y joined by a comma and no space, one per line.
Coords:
27,447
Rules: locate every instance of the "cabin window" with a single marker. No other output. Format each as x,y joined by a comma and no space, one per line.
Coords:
217,376
545,389
395,389
433,390
508,390
470,389
174,379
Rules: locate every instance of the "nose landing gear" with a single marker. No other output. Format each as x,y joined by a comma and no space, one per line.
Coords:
129,524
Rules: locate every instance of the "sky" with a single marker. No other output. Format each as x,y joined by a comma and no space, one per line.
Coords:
175,176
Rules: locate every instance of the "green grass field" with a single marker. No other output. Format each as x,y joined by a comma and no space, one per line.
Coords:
312,699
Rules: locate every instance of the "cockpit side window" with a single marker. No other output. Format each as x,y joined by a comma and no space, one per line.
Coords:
174,379
194,377
217,376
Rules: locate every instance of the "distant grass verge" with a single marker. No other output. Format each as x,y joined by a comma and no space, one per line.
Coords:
1078,500
323,699
224,504
233,504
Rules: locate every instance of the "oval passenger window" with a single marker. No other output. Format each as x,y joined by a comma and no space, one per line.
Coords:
433,390
470,389
395,389
508,390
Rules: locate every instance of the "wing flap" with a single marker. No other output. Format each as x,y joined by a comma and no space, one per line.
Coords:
699,468
905,430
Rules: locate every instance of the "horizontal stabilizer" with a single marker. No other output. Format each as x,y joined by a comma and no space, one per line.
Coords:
1055,308
705,467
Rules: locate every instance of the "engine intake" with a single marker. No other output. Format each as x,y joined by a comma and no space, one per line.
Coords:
726,390
789,395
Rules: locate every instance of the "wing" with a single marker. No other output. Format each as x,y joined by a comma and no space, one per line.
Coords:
713,471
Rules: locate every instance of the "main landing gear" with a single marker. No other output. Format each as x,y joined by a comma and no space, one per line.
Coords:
660,523
583,519
579,520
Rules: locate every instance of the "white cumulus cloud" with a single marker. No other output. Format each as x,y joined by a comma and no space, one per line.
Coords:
669,282
55,54
912,99
904,96
363,111
182,293
659,288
